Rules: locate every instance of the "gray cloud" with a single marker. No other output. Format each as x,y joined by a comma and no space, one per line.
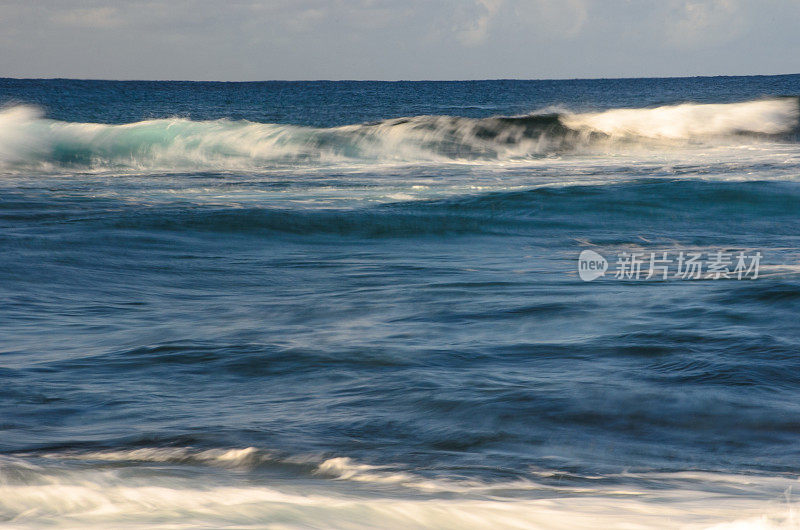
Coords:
392,39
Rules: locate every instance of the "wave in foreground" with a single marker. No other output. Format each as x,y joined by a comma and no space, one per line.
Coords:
28,139
186,488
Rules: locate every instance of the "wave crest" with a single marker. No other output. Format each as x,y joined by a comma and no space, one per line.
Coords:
688,120
134,490
26,138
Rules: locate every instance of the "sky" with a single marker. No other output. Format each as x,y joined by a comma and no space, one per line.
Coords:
246,40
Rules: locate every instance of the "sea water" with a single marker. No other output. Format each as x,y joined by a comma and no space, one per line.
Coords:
358,304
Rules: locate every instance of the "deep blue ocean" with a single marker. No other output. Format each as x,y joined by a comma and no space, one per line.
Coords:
359,304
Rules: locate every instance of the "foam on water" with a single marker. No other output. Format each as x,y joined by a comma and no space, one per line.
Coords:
27,139
133,489
692,121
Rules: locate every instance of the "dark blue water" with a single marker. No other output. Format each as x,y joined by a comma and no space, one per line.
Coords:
264,304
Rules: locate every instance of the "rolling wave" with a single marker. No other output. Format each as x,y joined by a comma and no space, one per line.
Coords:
131,489
517,212
28,139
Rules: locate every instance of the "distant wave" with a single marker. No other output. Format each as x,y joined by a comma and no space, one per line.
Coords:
27,138
537,210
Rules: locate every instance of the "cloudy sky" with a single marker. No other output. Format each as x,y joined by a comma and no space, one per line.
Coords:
396,39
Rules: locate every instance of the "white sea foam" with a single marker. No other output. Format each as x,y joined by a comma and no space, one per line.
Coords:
247,457
27,139
59,492
691,120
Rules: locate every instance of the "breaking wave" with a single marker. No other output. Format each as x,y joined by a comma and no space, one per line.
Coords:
28,139
146,487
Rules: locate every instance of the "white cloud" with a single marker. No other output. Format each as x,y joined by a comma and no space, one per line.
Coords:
475,30
559,18
704,22
481,20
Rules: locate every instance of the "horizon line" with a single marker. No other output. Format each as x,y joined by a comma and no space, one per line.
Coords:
321,80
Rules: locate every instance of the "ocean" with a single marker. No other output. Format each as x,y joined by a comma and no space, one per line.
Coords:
473,304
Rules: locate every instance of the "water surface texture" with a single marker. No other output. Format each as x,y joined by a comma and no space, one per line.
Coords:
357,304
